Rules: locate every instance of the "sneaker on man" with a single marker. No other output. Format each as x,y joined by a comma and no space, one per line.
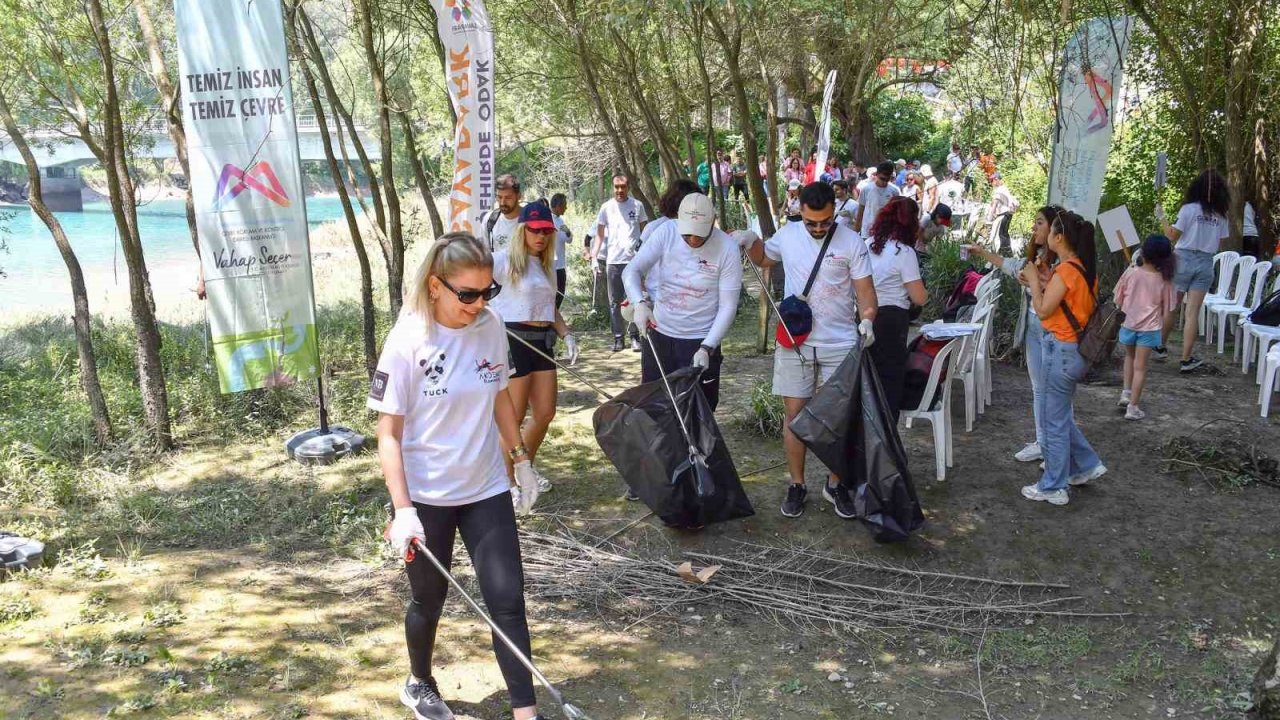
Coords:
631,495
840,498
543,483
617,343
424,700
1084,477
1134,413
793,506
1190,364
1030,453
1125,397
1160,353
635,344
1053,497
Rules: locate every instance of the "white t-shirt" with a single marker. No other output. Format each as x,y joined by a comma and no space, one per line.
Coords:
502,230
950,193
954,163
1250,226
698,288
832,298
873,198
533,299
862,186
622,226
1201,230
846,212
445,386
563,238
651,276
930,194
895,266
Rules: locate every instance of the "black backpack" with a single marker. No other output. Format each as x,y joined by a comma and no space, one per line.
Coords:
1268,311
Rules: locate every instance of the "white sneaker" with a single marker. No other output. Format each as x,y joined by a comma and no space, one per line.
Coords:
1134,413
1084,477
1053,497
1030,453
1125,395
543,483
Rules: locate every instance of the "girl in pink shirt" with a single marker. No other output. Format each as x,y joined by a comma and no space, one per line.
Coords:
1146,296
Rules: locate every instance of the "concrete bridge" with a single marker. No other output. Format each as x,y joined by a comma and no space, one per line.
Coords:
60,153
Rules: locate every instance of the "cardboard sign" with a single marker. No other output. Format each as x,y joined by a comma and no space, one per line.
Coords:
1118,229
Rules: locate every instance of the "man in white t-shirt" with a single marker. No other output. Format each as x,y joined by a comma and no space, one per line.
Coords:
623,218
846,207
502,220
955,163
875,196
843,303
560,204
951,192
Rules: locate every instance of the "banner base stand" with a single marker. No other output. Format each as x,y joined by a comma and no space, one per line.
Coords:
324,447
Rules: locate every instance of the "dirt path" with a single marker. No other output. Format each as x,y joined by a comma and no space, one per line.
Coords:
240,624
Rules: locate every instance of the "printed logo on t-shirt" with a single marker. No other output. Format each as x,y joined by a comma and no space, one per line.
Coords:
434,372
707,268
378,386
837,261
489,372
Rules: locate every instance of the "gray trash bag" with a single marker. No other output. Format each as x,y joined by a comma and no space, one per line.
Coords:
847,424
640,434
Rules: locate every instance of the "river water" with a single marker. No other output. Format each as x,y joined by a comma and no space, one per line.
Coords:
35,279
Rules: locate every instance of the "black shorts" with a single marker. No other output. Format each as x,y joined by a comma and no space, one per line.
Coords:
524,360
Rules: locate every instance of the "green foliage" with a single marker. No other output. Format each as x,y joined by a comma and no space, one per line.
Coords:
14,610
905,129
767,414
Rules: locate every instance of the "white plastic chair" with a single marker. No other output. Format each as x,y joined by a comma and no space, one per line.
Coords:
1224,266
1237,290
1263,334
981,360
935,406
1222,313
1270,370
966,367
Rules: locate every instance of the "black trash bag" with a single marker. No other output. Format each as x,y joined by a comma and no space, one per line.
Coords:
640,434
848,426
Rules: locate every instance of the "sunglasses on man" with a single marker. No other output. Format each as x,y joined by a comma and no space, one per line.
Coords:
468,297
819,224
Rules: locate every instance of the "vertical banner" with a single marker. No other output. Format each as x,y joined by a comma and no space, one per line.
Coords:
824,128
246,182
464,31
1089,85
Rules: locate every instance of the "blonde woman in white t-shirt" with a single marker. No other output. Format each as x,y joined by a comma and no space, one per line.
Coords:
1198,232
526,272
445,424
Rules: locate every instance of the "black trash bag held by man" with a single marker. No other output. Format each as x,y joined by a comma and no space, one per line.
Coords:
640,434
848,426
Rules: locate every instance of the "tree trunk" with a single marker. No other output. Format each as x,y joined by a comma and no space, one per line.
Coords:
393,242
668,158
420,175
79,294
699,50
151,383
368,324
177,132
1241,104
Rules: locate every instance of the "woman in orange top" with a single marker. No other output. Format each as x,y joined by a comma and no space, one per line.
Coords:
1069,460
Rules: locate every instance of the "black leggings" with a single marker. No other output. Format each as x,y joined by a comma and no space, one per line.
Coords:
675,354
561,278
488,529
889,352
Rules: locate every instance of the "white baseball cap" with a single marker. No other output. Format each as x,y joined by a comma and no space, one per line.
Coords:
697,216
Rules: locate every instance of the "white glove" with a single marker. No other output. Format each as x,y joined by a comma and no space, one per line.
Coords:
1160,212
405,528
642,318
527,484
868,333
571,349
745,238
627,310
702,358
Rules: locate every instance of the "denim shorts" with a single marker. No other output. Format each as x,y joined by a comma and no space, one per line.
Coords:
1140,338
1195,270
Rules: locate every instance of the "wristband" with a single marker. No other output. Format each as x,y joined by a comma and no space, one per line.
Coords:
708,348
517,451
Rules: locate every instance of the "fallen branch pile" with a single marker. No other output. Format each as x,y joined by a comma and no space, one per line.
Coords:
1221,460
794,587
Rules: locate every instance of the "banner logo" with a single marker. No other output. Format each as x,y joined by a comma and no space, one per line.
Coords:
259,177
461,9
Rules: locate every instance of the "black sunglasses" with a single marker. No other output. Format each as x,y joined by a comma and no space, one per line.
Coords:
819,224
467,297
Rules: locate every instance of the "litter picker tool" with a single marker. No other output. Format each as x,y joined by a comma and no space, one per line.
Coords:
697,462
764,290
570,711
561,365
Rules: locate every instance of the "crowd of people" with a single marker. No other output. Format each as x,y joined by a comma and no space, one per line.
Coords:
466,386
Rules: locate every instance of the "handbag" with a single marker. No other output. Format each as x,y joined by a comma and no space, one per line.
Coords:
795,317
1096,341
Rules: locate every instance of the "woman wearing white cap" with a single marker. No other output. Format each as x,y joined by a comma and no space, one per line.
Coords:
790,205
699,281
930,190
